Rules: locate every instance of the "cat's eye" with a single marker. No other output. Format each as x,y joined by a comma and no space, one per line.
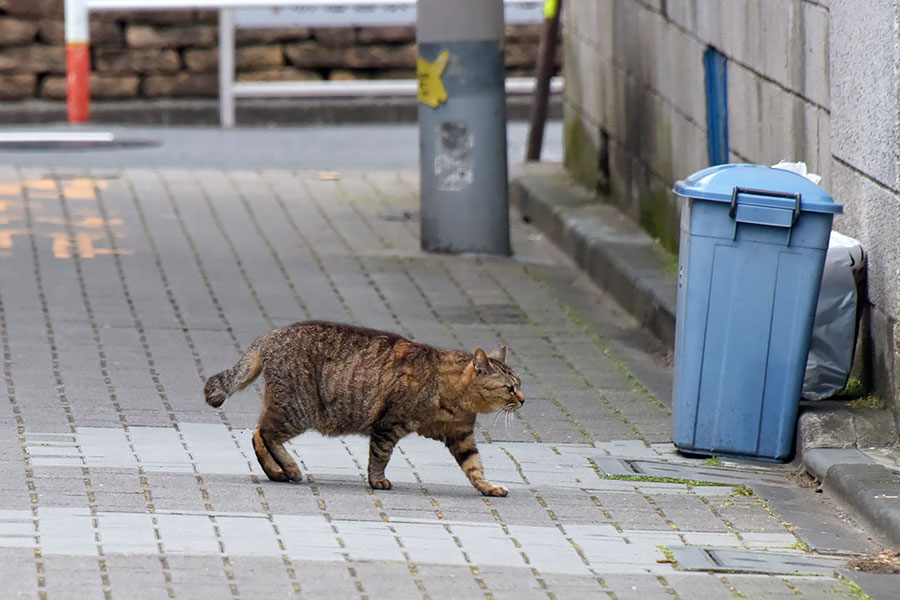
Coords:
512,389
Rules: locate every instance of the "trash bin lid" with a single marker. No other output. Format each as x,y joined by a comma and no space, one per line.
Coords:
718,183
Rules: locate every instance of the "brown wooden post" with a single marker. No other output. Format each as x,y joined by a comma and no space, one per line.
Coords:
543,72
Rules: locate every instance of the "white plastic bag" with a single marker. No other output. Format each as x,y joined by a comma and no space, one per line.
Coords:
800,169
834,330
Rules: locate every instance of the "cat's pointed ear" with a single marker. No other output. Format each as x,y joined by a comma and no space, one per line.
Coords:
481,362
499,353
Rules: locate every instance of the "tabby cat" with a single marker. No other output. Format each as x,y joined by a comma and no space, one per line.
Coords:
340,379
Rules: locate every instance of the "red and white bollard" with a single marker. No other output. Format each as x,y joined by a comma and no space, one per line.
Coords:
78,62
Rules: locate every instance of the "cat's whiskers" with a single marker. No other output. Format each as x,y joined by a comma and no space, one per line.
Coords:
497,412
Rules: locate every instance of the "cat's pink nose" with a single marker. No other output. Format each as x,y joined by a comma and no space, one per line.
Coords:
520,397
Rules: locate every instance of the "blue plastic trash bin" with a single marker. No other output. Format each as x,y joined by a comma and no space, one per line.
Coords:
752,249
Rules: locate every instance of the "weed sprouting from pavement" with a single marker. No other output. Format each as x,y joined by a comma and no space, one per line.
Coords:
855,591
742,490
873,401
676,480
667,552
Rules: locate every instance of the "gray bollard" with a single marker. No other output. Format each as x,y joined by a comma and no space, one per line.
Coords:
462,126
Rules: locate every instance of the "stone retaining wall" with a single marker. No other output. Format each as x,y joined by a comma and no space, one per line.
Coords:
147,55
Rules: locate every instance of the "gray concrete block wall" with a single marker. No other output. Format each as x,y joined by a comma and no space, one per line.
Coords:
865,148
864,64
613,52
872,215
816,77
811,80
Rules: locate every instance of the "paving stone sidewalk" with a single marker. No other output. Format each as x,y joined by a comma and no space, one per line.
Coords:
120,291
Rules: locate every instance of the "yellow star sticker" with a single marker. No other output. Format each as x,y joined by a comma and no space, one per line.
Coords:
431,88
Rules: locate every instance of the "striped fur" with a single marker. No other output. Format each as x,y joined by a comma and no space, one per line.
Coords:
221,385
341,379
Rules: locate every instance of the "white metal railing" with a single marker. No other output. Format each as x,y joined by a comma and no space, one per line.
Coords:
270,13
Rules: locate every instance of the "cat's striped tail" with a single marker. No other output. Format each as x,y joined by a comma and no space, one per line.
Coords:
222,385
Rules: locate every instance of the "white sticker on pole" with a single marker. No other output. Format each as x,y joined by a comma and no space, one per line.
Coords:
453,164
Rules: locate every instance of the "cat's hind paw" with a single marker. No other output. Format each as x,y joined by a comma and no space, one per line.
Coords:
380,484
276,475
494,490
273,470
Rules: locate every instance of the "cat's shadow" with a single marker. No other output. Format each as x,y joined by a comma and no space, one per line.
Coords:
340,485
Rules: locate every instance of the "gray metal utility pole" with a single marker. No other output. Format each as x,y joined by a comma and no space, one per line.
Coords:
462,126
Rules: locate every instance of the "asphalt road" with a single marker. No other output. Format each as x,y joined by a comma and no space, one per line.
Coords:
333,147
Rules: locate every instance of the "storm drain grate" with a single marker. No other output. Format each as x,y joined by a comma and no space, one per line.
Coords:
498,314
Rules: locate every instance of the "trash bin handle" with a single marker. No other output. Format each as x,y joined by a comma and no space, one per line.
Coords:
753,192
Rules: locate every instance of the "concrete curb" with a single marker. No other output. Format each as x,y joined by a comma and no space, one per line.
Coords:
249,112
618,255
623,260
870,490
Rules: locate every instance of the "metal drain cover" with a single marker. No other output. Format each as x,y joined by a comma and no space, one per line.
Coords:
712,474
737,560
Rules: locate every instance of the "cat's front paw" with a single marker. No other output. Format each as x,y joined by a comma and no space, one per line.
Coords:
494,490
380,484
293,474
